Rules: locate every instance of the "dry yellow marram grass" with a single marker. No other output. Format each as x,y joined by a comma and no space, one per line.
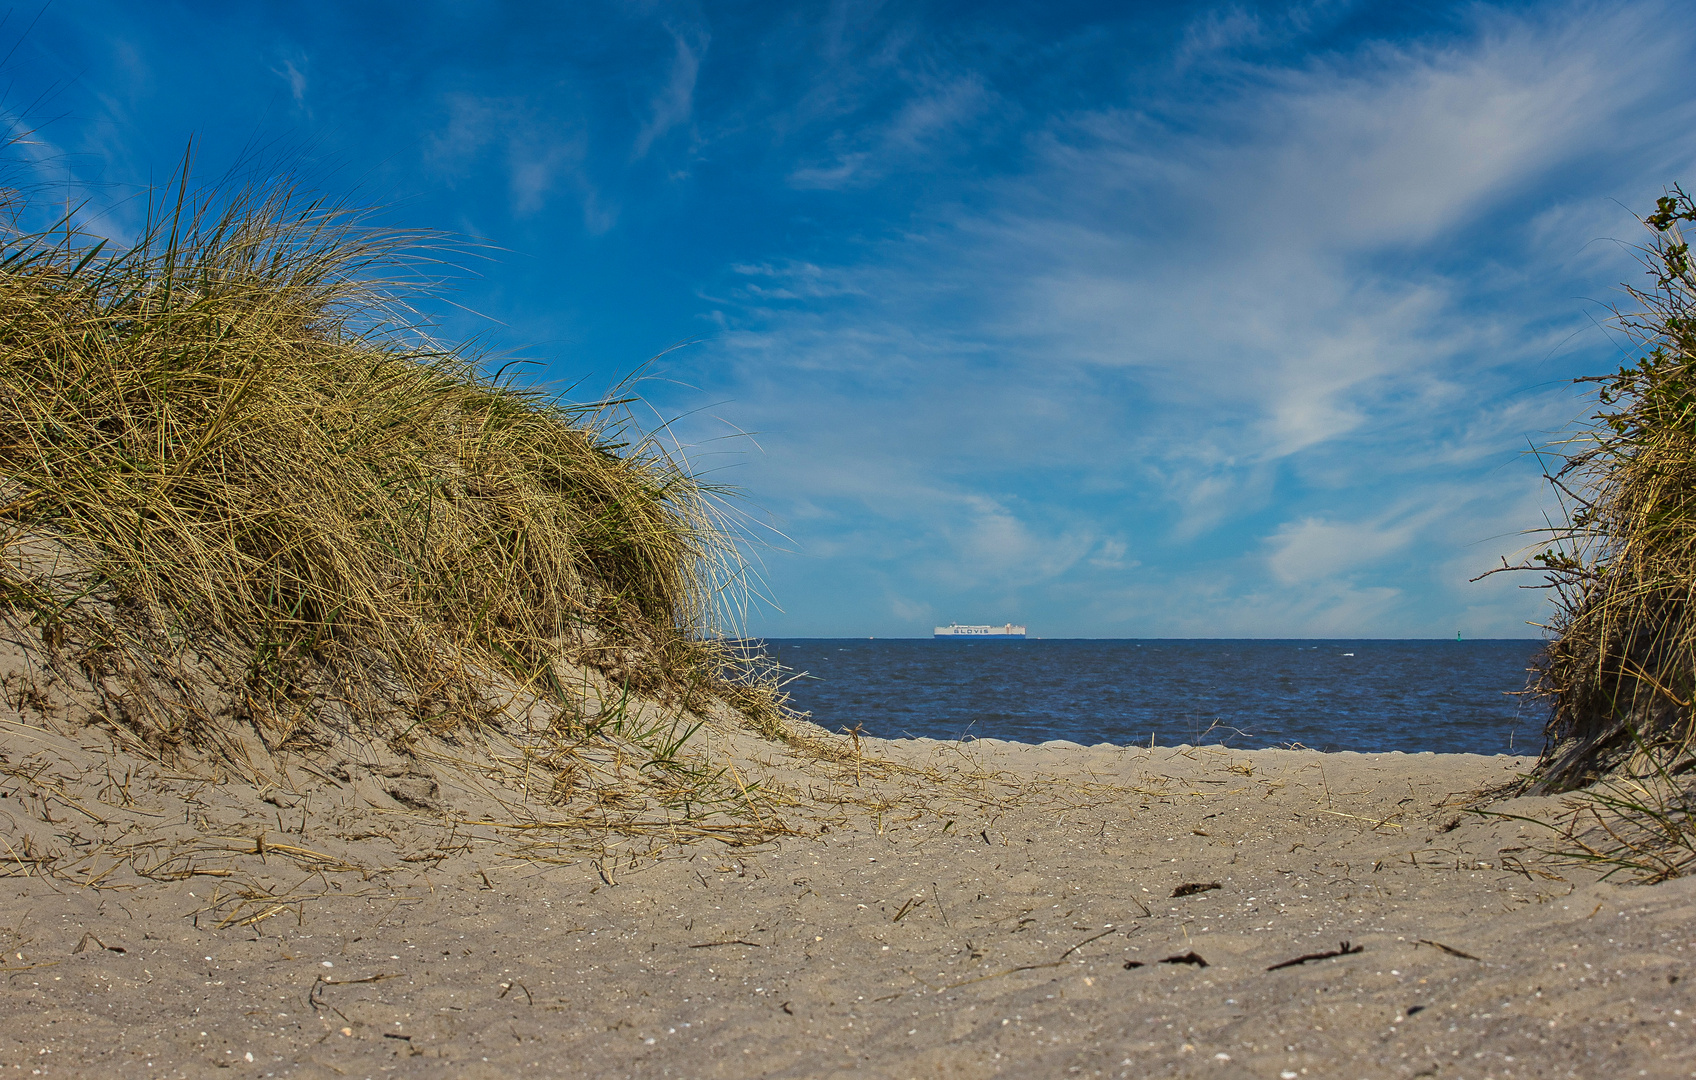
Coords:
1621,668
237,428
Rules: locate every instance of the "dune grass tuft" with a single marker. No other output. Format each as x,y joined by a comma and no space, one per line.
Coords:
1620,671
237,432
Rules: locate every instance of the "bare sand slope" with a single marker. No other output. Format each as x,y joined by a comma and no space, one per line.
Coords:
963,911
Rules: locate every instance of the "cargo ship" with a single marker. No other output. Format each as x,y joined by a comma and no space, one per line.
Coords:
1008,632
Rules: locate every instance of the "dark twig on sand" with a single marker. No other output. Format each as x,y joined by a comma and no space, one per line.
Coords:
1193,958
314,998
1449,949
1084,942
1343,949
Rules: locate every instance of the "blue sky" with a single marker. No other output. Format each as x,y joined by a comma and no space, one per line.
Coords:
1119,320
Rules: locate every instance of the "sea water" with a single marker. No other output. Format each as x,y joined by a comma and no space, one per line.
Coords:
1371,696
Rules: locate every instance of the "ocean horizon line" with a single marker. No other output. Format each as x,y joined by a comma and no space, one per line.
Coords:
927,637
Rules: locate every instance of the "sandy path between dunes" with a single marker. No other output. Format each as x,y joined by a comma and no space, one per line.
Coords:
1013,915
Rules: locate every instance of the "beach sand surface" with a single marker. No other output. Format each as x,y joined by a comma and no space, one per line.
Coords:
937,910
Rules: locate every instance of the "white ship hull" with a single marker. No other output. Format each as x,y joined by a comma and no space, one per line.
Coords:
1009,631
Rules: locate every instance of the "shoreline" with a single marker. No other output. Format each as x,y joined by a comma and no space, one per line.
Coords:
960,910
1068,744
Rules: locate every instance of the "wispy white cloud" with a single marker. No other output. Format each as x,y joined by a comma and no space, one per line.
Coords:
1219,33
993,544
766,283
933,113
1317,548
674,103
538,154
916,612
294,77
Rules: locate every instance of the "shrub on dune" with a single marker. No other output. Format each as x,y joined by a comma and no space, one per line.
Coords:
1621,668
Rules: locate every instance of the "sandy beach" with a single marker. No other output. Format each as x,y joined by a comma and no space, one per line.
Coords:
935,910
